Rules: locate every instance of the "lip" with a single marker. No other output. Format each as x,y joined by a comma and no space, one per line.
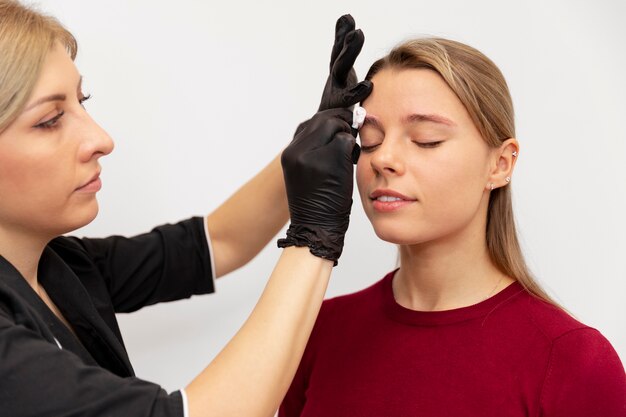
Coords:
389,206
93,185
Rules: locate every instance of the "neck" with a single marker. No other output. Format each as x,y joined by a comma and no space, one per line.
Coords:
449,273
23,251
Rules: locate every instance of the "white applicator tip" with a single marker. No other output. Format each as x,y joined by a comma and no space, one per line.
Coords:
358,117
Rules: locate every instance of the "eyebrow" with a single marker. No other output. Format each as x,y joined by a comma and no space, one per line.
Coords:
434,118
373,121
52,97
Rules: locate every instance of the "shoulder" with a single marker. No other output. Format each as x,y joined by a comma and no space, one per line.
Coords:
72,252
582,370
68,243
68,247
549,320
584,374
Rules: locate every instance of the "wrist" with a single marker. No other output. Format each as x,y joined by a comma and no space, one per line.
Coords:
323,243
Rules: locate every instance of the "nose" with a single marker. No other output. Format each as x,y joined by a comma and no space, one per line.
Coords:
388,159
95,141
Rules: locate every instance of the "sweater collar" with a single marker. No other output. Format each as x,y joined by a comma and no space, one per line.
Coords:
445,317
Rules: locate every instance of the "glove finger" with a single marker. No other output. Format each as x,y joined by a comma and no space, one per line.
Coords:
341,113
356,94
345,24
323,131
344,145
352,46
348,145
314,121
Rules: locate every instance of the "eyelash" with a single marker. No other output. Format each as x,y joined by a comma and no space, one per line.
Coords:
425,145
51,123
428,145
368,148
83,99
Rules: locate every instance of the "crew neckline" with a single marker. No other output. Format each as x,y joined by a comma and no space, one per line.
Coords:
444,317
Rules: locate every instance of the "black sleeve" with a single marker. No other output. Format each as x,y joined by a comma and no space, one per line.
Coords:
41,380
169,263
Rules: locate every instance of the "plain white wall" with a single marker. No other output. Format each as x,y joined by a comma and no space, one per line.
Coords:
200,95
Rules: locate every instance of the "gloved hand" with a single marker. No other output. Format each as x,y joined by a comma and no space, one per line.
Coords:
342,87
318,171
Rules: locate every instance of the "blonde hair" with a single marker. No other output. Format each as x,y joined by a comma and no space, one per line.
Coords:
26,37
482,89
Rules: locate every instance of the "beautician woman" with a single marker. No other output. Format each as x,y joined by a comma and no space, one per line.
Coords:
61,351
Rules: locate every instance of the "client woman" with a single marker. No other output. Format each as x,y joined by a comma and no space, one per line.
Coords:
461,328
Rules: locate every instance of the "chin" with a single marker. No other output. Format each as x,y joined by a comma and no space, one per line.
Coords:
398,235
81,218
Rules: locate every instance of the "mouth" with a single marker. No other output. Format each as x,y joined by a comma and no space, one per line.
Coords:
92,185
389,200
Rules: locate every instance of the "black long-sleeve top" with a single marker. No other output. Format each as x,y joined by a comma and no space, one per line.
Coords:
48,370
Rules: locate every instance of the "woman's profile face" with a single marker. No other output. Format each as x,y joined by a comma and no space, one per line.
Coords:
49,170
424,167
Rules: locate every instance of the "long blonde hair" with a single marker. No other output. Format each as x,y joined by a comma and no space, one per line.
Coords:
26,37
482,89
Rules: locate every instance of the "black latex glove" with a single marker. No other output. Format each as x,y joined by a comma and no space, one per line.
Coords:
342,87
318,170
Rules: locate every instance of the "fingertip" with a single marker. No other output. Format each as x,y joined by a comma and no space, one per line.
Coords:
348,144
358,93
354,39
356,153
364,89
367,83
346,19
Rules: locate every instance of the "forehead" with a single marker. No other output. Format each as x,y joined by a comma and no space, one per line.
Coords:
398,92
58,72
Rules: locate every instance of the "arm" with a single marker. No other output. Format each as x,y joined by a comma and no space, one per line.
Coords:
246,222
251,374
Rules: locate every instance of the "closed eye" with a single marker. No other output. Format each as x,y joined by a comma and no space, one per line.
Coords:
50,123
369,148
433,144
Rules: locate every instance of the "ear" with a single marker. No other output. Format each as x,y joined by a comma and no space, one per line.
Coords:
503,160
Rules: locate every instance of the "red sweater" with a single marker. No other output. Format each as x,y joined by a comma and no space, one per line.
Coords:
510,355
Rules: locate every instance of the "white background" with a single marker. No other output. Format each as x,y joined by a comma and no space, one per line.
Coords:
201,95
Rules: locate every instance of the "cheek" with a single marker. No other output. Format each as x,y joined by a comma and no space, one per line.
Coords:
14,172
32,178
454,184
457,169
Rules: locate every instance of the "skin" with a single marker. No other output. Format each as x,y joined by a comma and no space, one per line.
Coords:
52,150
440,164
46,155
